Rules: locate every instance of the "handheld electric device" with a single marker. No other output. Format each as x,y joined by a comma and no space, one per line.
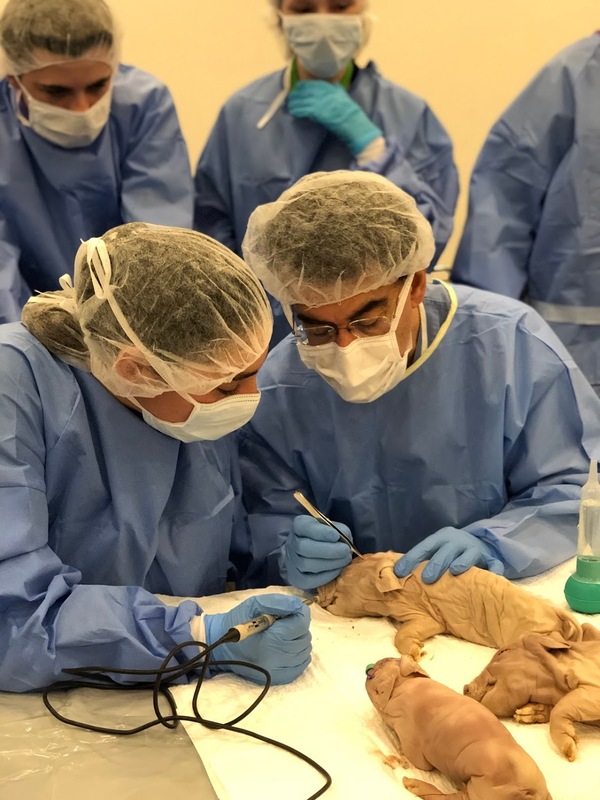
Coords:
254,625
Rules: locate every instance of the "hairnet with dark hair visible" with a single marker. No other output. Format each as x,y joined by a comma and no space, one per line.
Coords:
37,33
187,308
333,235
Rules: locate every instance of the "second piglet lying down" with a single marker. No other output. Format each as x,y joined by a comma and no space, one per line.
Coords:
477,606
540,679
439,728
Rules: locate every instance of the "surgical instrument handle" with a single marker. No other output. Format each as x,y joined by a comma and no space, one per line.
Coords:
255,625
314,512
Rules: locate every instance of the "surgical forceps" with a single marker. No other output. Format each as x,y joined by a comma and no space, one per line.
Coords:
325,520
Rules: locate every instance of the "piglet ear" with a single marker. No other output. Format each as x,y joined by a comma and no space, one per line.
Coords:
572,680
326,594
533,641
408,666
387,580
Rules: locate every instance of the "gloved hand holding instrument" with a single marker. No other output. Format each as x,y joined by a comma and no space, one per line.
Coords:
283,646
316,549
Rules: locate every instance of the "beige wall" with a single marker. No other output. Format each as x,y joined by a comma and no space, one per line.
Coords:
468,58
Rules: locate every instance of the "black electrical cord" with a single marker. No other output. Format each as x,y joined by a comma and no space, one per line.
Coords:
98,677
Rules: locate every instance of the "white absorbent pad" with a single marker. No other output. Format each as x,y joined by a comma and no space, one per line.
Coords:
327,714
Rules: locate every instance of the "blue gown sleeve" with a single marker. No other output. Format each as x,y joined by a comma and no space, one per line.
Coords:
537,528
50,619
269,486
509,182
426,170
529,505
244,553
213,213
156,178
12,286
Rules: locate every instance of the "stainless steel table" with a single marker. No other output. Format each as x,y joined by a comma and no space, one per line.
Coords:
43,759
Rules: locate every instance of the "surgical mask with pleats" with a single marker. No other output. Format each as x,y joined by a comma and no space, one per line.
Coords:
68,129
370,366
208,421
323,43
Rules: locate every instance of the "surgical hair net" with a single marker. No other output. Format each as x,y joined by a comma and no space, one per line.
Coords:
184,307
37,33
333,235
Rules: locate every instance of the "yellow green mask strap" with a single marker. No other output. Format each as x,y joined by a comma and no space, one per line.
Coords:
345,81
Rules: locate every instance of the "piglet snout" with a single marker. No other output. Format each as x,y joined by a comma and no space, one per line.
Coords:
474,690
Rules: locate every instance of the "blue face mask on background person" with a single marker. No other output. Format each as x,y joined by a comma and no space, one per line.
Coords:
323,43
61,126
208,421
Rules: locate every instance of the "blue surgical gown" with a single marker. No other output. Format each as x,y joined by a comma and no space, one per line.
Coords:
491,431
533,228
99,511
51,197
243,167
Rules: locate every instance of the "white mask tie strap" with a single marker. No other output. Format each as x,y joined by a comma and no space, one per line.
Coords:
100,267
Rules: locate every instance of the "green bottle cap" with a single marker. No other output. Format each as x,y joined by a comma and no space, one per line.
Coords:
582,589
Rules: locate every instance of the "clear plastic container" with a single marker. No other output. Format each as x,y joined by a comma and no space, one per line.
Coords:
582,589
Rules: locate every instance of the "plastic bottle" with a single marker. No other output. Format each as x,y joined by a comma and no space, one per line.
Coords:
582,589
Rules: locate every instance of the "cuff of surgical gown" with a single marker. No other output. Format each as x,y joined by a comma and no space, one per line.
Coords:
533,553
197,628
374,151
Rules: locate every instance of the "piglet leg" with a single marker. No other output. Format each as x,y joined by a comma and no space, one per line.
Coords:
428,791
579,705
590,633
412,633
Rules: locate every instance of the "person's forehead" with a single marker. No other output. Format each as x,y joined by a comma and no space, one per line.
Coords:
69,72
253,368
198,376
346,309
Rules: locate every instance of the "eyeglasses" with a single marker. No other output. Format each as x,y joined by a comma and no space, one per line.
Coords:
314,335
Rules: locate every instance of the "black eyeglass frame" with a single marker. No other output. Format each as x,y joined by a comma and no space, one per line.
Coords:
301,330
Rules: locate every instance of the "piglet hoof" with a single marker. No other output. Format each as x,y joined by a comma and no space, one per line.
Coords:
532,713
570,750
568,747
409,647
416,651
422,789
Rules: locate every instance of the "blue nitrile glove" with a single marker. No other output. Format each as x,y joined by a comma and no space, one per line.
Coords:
449,548
330,105
283,649
314,553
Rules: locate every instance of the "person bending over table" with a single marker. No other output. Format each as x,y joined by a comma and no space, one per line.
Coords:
117,477
446,423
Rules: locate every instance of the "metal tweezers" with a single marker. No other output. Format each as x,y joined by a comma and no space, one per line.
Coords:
325,520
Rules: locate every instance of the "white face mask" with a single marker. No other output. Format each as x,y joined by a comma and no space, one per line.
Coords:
323,43
365,369
60,126
208,421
